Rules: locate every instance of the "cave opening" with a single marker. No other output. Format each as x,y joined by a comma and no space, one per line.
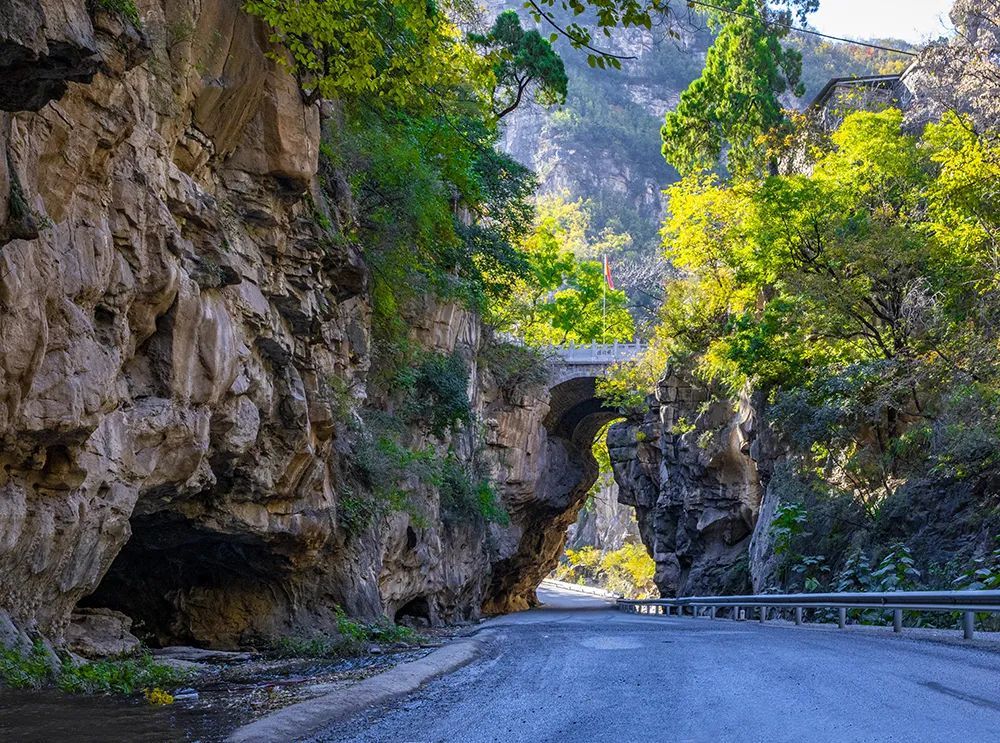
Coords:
183,584
415,612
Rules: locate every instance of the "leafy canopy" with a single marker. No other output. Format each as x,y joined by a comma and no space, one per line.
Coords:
522,61
863,296
562,298
389,50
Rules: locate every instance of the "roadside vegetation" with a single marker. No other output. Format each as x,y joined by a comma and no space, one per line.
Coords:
627,571
352,638
39,667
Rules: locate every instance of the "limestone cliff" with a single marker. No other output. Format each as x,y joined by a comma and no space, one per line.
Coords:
690,470
177,341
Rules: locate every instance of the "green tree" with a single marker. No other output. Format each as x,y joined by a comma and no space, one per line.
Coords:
561,298
861,296
735,102
389,50
522,61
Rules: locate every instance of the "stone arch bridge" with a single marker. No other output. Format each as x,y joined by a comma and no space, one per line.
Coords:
575,411
576,414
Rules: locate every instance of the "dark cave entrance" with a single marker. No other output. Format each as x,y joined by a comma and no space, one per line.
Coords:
181,584
415,612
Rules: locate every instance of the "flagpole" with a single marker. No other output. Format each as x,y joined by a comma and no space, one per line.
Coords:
604,303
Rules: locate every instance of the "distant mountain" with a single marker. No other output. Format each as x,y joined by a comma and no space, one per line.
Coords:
603,145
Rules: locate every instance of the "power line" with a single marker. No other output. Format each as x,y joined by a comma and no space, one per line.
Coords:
802,30
699,3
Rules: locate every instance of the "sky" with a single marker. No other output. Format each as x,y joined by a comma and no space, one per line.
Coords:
912,20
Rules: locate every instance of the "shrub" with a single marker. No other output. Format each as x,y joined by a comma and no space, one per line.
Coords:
120,676
30,670
627,571
516,368
352,638
465,497
117,675
125,9
438,392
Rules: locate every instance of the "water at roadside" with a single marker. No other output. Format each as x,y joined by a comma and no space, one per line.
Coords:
227,696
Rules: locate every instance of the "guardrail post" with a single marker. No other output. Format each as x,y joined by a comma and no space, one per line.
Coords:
842,617
762,611
711,612
798,615
968,624
897,620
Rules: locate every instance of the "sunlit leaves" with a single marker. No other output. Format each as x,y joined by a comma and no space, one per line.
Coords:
562,298
390,50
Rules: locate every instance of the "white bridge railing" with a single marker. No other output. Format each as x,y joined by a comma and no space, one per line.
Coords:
597,353
966,602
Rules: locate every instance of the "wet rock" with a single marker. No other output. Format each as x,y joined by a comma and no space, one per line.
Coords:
199,655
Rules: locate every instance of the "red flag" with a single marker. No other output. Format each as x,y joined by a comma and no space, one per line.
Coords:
607,274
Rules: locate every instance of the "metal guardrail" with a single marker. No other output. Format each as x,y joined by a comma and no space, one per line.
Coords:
577,588
969,603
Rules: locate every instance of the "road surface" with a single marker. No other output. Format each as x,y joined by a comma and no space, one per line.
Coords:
576,670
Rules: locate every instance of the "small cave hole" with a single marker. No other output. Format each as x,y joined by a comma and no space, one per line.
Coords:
104,324
414,613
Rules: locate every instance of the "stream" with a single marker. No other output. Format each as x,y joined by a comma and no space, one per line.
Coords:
223,696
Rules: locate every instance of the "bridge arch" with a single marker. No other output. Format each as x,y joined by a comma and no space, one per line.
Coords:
576,414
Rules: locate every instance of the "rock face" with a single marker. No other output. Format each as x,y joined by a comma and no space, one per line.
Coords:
689,469
608,525
174,331
99,633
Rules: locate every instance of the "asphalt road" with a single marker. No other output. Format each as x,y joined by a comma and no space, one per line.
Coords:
576,670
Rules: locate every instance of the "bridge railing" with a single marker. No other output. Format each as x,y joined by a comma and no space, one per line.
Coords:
969,603
587,353
598,353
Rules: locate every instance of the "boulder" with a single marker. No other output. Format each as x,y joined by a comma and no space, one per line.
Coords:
100,633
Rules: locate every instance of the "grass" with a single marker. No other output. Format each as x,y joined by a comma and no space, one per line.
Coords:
115,676
123,8
352,638
119,676
28,671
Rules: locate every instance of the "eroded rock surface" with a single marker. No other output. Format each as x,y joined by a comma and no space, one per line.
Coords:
174,329
690,471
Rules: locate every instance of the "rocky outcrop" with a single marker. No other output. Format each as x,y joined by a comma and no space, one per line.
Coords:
184,352
690,470
606,524
100,633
